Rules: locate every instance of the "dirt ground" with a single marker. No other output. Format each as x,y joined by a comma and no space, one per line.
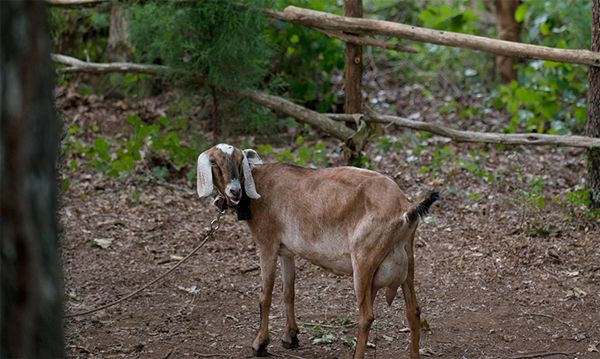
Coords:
496,277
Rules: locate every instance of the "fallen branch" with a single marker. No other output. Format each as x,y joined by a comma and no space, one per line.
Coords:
76,65
369,41
471,136
315,119
327,122
74,3
550,317
540,355
326,21
331,326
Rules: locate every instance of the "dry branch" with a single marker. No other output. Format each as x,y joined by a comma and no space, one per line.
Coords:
326,122
471,136
315,119
368,41
74,3
364,26
76,65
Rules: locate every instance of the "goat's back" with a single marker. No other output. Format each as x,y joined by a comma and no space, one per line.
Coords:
322,214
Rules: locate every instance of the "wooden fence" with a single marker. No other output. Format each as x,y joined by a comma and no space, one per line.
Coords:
359,31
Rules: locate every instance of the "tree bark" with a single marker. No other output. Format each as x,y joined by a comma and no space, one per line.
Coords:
364,26
31,292
76,65
315,119
593,107
118,45
529,139
353,65
508,29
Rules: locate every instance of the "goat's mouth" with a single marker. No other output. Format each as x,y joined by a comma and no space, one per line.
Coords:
222,203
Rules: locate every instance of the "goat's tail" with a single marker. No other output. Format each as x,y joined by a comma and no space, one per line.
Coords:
422,208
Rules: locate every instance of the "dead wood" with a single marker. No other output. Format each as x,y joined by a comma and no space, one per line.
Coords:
362,26
471,136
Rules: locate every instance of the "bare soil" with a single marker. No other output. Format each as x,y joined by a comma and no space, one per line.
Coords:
496,277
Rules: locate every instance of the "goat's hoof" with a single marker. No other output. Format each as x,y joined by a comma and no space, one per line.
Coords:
293,345
261,351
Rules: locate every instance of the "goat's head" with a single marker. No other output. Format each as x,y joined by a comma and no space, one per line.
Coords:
225,169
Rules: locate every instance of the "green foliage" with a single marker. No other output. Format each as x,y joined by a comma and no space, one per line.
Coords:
322,335
550,96
549,22
304,154
307,60
533,194
160,144
80,32
214,43
440,66
449,17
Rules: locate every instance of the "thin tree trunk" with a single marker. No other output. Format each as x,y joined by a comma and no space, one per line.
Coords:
593,120
31,292
353,66
508,29
118,45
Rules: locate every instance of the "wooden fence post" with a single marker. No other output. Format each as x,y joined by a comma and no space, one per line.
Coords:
508,29
593,107
353,65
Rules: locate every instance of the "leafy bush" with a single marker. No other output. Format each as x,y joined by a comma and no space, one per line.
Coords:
443,67
82,33
549,96
158,147
304,154
306,60
209,43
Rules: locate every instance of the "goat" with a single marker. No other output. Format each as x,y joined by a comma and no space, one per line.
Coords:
346,220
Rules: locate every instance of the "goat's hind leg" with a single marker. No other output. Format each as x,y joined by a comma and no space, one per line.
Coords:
363,287
268,263
288,276
413,312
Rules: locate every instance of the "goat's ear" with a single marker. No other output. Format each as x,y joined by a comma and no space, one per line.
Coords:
252,157
204,182
248,180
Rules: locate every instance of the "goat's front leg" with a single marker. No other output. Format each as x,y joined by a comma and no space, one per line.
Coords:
268,263
288,276
413,313
363,286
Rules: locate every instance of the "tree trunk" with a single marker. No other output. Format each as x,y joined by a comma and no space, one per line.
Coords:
31,292
118,46
508,29
593,120
353,66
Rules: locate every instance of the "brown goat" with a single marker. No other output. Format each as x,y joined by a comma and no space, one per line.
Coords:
346,220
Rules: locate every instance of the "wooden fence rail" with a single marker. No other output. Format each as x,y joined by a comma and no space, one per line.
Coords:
369,27
326,122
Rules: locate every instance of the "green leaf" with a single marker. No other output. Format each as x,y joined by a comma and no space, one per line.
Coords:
102,148
521,12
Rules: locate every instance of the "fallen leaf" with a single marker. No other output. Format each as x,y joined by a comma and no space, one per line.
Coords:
103,242
191,290
593,348
425,325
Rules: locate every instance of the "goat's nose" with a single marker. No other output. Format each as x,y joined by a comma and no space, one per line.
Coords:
235,192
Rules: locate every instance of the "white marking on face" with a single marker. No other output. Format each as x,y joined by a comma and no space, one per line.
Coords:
234,186
225,148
